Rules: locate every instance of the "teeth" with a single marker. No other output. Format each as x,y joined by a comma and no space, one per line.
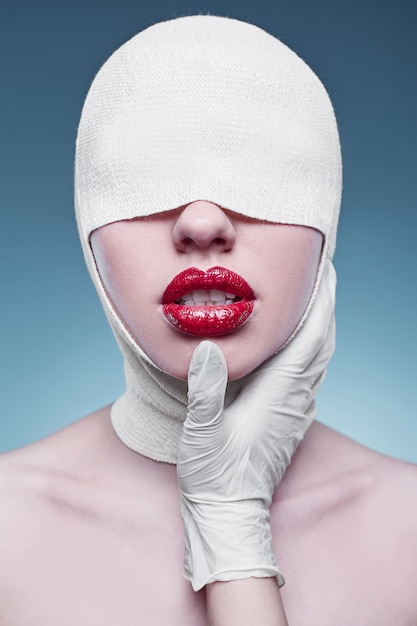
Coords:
218,296
206,297
200,295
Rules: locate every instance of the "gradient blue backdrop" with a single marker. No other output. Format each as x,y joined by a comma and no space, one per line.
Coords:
58,358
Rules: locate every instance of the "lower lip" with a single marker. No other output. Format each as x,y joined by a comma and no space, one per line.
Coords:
208,321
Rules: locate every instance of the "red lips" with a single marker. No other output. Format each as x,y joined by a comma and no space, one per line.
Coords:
203,319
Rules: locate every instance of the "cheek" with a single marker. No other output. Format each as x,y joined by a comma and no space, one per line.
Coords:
124,265
293,273
280,261
298,287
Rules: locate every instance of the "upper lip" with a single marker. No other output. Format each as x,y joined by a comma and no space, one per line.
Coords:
214,278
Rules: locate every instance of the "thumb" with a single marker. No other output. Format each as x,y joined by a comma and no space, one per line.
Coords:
207,380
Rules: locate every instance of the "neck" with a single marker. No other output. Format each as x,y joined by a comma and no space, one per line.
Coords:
149,417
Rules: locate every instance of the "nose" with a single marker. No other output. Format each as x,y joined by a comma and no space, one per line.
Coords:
204,226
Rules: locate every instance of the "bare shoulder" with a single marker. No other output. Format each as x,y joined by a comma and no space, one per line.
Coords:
387,506
395,496
389,515
351,514
20,475
54,452
81,472
80,517
47,486
20,508
384,524
30,476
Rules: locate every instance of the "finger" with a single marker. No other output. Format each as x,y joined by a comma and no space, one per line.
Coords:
207,380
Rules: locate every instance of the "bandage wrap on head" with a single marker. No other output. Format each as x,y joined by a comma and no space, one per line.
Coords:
200,108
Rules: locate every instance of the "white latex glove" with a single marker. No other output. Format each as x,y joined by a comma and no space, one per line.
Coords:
231,460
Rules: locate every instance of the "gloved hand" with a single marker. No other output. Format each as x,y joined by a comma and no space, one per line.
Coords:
231,459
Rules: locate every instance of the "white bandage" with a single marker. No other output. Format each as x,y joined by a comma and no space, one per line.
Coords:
200,108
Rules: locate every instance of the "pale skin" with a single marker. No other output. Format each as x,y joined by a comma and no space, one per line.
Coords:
248,601
91,533
204,234
85,541
278,261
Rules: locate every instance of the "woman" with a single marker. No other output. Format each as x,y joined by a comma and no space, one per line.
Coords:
207,194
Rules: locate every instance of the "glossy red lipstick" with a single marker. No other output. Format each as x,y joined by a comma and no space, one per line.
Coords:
209,304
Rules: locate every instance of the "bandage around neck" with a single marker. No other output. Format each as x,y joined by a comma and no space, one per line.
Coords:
200,108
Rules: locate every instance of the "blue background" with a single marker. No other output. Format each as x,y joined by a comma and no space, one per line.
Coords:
58,358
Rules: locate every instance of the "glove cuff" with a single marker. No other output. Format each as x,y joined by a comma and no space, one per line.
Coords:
227,541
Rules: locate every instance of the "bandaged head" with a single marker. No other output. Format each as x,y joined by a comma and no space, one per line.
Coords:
200,107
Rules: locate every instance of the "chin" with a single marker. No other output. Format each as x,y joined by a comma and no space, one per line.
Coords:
245,362
241,358
235,371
